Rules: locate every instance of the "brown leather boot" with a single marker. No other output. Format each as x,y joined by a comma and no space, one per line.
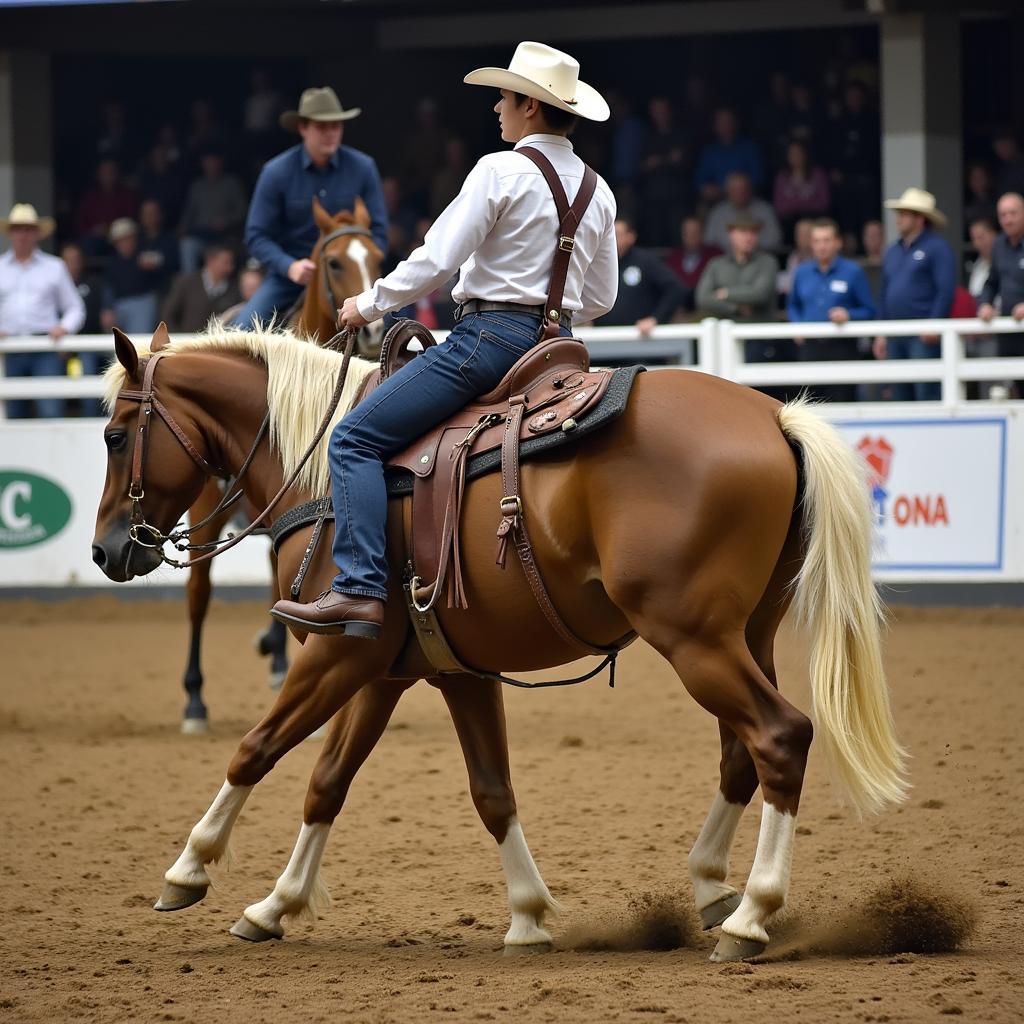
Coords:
334,613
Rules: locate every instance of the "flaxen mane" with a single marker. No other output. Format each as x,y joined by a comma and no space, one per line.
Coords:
301,381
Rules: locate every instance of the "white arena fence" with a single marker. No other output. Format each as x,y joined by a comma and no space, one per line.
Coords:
948,476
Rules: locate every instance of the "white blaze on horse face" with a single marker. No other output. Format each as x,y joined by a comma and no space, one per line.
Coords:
299,891
357,253
208,841
769,877
709,858
528,896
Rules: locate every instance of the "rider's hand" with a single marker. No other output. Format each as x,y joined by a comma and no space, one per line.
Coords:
301,271
349,316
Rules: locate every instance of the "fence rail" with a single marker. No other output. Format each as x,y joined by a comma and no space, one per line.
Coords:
713,346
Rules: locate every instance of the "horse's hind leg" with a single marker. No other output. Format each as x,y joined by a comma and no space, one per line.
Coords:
352,734
273,641
479,715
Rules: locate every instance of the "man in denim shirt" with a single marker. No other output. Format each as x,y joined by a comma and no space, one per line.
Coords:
918,281
280,231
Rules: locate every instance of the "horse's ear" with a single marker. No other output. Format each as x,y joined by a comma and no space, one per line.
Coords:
322,217
361,213
161,339
127,354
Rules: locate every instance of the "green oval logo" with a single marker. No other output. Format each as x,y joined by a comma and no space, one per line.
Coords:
32,508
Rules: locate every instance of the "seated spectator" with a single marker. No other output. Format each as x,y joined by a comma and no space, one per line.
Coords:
214,209
805,123
1005,283
107,201
37,296
194,298
855,159
801,188
649,293
129,289
727,155
983,234
740,203
772,118
688,262
800,253
263,106
161,180
980,197
662,194
872,239
627,146
1009,169
249,281
158,249
829,287
740,284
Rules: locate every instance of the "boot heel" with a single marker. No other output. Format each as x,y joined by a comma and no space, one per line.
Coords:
366,630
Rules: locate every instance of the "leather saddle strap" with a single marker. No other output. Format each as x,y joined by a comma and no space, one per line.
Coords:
513,525
569,218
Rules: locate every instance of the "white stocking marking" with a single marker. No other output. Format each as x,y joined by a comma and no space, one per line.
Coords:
528,896
208,841
709,858
299,891
769,877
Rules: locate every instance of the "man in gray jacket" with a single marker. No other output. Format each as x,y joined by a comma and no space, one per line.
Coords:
740,285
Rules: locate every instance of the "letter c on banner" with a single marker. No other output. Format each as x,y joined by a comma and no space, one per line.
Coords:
11,493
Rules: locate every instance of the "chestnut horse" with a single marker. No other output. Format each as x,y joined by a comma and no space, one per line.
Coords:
692,519
347,262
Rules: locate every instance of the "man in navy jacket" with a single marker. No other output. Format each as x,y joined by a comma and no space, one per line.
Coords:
918,281
280,231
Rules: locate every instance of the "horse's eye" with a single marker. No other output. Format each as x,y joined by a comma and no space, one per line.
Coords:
115,440
334,263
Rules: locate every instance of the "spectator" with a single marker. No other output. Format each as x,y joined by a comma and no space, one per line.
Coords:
1009,171
37,296
805,117
872,239
727,155
158,249
800,253
422,155
167,140
772,118
205,132
280,231
855,159
980,200
829,288
739,203
194,298
1006,278
449,178
740,285
214,209
662,175
112,142
107,201
983,234
249,281
688,262
628,143
918,279
649,292
90,288
162,181
129,288
262,106
801,188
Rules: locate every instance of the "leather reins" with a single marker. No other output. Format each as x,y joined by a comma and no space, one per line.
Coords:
179,536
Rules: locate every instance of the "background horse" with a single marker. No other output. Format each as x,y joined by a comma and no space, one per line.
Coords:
347,262
687,520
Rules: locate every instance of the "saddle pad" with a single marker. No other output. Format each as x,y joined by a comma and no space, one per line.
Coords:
400,482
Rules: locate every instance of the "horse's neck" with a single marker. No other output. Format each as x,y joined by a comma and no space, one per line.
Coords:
312,321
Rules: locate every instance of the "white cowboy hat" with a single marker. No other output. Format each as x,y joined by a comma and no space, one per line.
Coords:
122,228
23,215
547,75
317,105
916,200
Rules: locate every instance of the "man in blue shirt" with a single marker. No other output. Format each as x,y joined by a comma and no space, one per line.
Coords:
728,154
280,231
829,287
918,281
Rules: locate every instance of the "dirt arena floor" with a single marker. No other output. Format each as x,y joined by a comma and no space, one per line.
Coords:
100,791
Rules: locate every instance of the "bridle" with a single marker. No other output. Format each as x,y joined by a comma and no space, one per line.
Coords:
339,232
144,533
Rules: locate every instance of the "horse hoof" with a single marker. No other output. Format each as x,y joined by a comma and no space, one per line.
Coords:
195,726
731,948
276,680
178,897
534,947
243,928
715,913
263,644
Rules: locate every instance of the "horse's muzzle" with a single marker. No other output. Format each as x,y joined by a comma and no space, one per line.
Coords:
121,560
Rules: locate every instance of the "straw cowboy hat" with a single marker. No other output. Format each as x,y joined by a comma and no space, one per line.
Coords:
122,228
317,105
23,215
547,75
916,200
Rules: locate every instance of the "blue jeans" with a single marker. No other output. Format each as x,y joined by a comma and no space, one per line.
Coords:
277,295
480,350
914,348
34,364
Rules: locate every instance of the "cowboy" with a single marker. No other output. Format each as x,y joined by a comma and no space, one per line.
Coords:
280,231
37,296
500,231
918,281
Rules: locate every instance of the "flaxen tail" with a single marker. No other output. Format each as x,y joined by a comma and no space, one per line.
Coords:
837,600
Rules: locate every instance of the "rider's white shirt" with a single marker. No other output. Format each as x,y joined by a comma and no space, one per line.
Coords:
500,233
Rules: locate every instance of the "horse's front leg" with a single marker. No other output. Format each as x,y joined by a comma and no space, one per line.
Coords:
326,674
478,712
353,733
